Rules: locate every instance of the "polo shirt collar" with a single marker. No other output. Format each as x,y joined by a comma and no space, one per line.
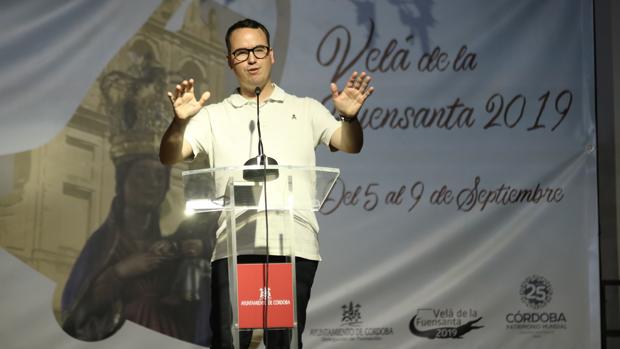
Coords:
238,101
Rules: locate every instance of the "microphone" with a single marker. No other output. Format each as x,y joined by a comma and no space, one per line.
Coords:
264,174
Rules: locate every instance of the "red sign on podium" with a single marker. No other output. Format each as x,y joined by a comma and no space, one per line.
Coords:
253,296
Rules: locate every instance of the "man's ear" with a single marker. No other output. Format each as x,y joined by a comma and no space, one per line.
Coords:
272,56
229,62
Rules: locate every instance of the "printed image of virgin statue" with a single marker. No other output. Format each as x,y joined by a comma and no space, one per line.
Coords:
129,269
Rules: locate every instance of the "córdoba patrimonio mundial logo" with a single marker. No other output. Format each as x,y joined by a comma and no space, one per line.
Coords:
536,292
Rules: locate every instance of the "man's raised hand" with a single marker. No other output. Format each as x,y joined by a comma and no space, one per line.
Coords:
349,101
184,100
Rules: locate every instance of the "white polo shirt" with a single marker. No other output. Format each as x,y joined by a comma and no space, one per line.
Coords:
292,128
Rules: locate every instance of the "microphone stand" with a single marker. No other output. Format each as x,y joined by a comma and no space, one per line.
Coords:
262,175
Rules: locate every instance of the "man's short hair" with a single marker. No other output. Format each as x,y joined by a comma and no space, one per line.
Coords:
245,23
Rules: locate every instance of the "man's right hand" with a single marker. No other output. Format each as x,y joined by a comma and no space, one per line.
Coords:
184,100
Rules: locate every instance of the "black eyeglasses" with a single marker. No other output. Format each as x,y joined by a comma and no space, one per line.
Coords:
242,54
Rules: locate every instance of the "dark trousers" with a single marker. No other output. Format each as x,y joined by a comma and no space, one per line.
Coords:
221,311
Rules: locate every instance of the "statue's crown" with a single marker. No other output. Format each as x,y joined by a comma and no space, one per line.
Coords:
137,106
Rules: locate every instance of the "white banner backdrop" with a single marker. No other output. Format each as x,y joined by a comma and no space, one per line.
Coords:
469,220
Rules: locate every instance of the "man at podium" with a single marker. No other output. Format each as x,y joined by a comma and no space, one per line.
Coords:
292,128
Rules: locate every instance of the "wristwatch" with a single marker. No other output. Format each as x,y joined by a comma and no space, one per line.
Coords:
346,119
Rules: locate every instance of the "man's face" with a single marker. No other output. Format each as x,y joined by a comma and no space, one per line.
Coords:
253,72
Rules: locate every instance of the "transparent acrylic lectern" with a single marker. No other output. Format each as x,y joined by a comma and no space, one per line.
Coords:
292,195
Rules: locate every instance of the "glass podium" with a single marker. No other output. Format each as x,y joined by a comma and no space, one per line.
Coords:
263,212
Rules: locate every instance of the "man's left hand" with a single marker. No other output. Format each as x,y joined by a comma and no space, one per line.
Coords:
349,101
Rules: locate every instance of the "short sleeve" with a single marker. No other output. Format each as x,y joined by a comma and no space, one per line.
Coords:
198,132
323,122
